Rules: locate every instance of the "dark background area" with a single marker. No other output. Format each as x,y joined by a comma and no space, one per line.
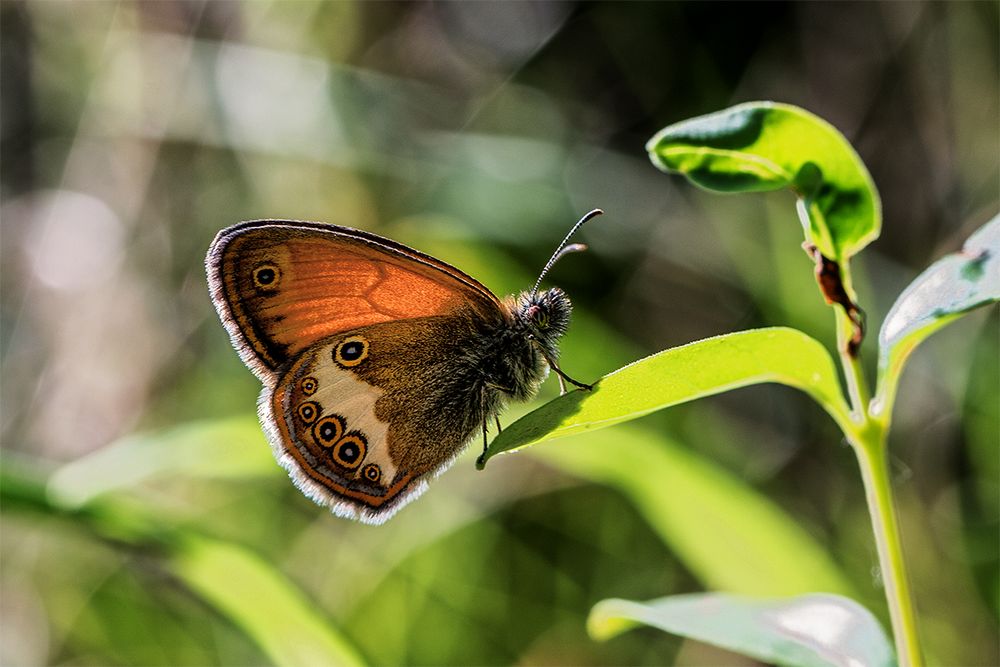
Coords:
479,132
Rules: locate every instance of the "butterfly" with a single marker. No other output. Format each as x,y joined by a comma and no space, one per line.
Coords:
379,362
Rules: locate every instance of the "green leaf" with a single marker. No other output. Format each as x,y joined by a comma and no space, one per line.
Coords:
807,631
231,448
762,146
949,288
728,534
681,374
252,594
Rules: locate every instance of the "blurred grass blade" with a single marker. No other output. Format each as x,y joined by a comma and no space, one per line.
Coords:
22,486
25,487
728,534
681,374
949,288
231,448
808,631
760,146
252,594
244,588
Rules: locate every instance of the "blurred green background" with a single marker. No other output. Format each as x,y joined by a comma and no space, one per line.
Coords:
135,478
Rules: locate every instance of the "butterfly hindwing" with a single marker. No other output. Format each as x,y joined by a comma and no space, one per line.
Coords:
280,286
364,417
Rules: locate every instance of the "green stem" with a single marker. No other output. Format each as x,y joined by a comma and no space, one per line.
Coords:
870,446
869,439
857,386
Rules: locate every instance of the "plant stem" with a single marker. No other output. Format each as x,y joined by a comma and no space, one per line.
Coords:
870,446
857,386
868,437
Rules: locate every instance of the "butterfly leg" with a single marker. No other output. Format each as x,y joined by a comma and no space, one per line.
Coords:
563,378
497,419
482,394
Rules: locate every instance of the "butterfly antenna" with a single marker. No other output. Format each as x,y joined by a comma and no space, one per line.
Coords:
565,249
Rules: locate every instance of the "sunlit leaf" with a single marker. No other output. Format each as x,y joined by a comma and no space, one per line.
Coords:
728,534
950,287
268,607
681,374
807,631
760,146
232,448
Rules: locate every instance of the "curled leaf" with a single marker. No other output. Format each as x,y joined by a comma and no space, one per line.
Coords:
762,146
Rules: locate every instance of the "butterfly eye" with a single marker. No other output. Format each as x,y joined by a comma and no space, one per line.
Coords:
538,316
328,430
372,473
351,351
309,411
266,276
309,386
350,451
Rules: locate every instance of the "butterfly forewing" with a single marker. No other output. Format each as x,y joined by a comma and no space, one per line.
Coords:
283,286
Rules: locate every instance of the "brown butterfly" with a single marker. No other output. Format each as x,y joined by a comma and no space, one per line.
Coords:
379,362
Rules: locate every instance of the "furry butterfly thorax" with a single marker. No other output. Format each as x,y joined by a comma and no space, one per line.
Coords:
379,363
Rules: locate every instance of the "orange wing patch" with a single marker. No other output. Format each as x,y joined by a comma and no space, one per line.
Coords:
322,294
398,293
287,285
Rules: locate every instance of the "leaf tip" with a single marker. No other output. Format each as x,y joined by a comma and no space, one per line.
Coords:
603,623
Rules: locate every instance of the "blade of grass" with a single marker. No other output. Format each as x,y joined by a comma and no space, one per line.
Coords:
250,592
231,448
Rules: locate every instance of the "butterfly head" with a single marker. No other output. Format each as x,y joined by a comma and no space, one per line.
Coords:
540,319
544,316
